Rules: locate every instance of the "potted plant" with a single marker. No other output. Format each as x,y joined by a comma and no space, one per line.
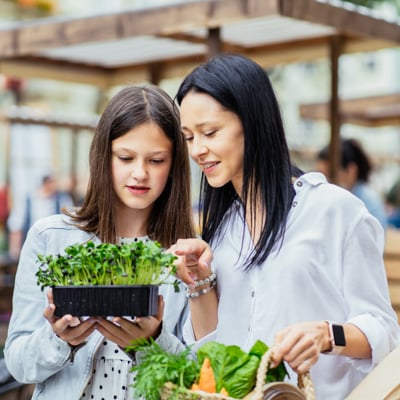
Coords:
106,279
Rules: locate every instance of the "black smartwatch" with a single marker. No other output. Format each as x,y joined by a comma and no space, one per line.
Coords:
336,337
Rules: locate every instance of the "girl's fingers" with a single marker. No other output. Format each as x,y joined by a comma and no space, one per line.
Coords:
50,296
48,313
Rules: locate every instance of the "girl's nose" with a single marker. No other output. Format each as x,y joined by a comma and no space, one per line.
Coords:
139,171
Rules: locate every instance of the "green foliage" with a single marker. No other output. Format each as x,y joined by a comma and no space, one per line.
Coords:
156,367
136,263
374,3
234,369
365,3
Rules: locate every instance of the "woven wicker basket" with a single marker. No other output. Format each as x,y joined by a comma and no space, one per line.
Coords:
268,391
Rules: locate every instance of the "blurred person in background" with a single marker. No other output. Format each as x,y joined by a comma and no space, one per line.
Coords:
46,200
353,175
393,205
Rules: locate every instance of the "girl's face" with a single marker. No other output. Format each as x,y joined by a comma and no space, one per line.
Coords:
141,163
215,139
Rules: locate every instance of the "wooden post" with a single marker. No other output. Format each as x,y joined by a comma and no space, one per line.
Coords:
155,73
334,111
214,41
74,165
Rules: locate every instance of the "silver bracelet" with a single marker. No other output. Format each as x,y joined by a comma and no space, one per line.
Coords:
205,281
201,292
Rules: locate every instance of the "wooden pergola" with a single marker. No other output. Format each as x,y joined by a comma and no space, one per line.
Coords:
157,43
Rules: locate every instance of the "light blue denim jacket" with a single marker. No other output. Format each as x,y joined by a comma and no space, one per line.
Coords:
33,353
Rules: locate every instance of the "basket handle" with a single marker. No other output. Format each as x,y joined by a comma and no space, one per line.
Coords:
304,381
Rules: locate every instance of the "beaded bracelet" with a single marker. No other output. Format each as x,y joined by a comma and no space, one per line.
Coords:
201,292
205,281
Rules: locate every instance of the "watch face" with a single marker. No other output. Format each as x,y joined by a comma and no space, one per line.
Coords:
338,335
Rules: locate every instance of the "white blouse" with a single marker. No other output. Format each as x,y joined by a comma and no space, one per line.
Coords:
329,267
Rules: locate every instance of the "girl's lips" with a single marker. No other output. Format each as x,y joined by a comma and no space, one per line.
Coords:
138,189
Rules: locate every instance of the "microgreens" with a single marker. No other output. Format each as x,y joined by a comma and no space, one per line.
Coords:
136,263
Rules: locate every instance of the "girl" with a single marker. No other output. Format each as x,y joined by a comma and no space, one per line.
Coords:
139,173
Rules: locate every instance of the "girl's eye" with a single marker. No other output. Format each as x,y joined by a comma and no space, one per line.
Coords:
157,161
124,158
210,133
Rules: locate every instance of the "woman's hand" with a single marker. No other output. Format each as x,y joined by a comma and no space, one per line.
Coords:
70,329
301,344
194,259
124,331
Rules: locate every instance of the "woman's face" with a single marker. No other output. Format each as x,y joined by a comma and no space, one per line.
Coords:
215,139
141,163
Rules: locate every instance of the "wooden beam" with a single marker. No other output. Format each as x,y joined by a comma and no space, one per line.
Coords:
21,116
342,16
62,71
373,111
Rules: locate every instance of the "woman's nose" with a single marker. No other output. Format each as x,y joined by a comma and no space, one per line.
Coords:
197,149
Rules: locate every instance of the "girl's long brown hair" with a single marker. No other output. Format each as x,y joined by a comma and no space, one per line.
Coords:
171,216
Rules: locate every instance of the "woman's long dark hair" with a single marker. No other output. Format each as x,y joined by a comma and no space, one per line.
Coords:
131,107
243,87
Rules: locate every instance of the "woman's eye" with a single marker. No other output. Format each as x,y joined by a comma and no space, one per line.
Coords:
209,133
188,138
157,161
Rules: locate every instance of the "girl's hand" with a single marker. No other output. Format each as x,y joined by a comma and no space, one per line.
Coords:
194,259
300,345
70,329
124,331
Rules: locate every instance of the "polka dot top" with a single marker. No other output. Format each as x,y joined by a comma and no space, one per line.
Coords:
111,377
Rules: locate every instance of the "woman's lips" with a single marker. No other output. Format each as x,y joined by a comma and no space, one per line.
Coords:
209,167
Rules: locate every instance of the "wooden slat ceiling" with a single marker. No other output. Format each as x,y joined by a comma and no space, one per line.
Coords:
149,44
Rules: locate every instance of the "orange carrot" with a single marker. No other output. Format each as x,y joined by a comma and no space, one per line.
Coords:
206,378
195,386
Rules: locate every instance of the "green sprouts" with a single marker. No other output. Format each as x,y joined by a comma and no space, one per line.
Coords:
136,263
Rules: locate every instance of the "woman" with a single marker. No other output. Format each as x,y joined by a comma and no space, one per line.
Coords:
296,261
139,172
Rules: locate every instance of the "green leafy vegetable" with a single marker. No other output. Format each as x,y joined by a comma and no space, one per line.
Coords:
136,263
156,367
234,369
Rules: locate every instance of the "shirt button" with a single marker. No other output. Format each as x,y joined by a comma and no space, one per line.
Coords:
299,184
253,293
294,204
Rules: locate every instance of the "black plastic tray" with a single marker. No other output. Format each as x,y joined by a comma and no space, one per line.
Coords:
79,301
